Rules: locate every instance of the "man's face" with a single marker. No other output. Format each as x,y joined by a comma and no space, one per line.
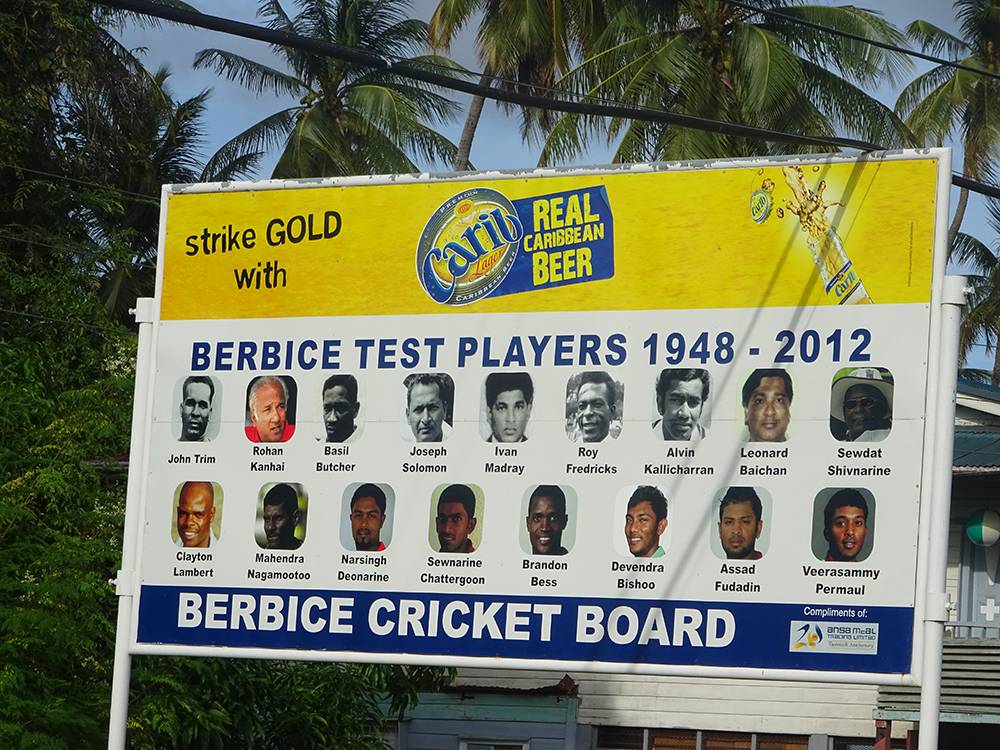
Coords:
642,530
268,414
739,530
453,527
682,405
768,410
509,416
366,523
195,513
545,526
196,408
595,409
863,408
339,413
425,413
847,532
279,526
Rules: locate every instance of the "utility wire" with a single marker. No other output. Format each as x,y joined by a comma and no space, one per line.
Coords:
144,197
859,38
370,59
46,318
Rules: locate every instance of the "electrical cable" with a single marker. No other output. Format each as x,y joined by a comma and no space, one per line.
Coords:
370,59
48,319
144,197
866,40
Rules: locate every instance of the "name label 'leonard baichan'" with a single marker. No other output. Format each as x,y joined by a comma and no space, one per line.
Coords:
768,469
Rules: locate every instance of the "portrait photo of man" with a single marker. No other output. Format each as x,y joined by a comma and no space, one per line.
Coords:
594,405
681,398
340,407
846,525
455,519
861,405
197,398
767,405
270,409
281,516
198,504
645,521
509,397
546,520
429,402
368,513
740,523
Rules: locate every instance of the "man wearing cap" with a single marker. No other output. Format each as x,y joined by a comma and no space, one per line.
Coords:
862,400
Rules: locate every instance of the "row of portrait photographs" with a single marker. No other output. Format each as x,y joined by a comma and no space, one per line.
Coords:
842,530
860,406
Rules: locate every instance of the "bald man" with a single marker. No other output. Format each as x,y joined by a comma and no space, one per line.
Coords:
195,514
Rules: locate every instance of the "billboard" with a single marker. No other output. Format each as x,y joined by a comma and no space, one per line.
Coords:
647,416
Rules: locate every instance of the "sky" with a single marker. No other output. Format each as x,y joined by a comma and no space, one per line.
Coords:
231,108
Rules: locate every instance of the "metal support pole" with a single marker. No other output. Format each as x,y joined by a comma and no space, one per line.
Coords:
124,583
936,611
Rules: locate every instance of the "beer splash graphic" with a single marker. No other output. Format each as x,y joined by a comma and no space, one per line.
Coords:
841,281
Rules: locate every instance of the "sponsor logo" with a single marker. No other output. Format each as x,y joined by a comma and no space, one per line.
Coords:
833,637
760,205
468,246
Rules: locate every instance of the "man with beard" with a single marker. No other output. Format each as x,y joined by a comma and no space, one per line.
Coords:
456,519
547,520
281,516
845,525
862,401
367,518
197,394
680,399
340,407
740,523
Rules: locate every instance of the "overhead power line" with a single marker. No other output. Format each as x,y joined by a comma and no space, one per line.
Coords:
145,197
370,59
859,38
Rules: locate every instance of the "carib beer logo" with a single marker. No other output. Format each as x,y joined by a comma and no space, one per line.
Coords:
468,246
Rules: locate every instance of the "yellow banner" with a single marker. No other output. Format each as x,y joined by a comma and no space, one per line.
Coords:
770,236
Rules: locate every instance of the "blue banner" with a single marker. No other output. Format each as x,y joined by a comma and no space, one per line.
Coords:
765,636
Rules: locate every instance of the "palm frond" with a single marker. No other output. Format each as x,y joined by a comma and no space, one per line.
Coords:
935,40
257,139
253,75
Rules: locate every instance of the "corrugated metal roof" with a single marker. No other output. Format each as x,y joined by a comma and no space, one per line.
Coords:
982,390
977,450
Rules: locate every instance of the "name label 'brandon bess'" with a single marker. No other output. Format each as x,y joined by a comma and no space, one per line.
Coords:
872,457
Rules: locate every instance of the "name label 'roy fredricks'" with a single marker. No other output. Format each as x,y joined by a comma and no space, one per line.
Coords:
622,625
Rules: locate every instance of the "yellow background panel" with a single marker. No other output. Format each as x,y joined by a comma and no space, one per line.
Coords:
682,240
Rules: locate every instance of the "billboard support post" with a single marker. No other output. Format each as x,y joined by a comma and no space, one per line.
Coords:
936,610
124,582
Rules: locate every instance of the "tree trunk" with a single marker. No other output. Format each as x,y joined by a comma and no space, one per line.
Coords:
469,131
956,222
995,375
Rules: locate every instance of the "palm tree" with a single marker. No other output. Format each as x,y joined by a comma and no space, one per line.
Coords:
350,119
981,321
529,43
944,99
716,60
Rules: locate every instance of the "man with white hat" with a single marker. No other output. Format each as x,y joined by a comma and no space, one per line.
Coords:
862,400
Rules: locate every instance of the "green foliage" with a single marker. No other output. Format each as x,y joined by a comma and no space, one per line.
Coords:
714,60
351,119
